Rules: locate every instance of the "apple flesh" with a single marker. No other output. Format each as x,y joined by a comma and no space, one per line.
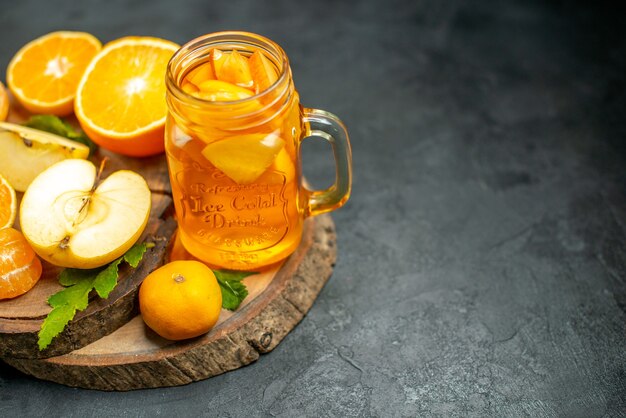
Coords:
26,152
72,218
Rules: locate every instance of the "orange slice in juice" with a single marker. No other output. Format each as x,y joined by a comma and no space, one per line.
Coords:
189,87
234,69
217,60
244,158
201,73
221,91
285,165
263,72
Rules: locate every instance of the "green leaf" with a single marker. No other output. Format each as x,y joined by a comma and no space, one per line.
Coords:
58,126
50,123
54,324
232,274
135,254
75,297
233,293
233,290
106,280
69,276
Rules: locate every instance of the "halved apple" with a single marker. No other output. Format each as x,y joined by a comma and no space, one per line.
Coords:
26,152
72,218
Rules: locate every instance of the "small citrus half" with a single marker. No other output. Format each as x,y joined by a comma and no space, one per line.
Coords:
8,204
4,102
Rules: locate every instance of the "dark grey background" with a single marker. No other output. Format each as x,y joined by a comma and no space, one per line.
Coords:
482,264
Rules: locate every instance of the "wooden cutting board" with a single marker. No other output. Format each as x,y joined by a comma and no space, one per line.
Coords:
134,357
108,346
21,317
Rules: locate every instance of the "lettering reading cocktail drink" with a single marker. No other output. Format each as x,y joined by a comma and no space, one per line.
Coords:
233,138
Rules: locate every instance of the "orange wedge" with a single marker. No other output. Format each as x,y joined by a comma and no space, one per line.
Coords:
284,164
201,73
263,72
217,60
244,158
235,70
8,204
120,101
222,91
189,87
44,74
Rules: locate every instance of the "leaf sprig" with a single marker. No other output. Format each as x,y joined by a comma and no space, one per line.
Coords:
75,297
233,290
79,283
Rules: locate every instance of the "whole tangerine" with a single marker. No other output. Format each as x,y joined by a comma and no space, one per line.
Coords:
180,300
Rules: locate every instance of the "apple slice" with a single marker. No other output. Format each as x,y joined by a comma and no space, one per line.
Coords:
26,152
72,218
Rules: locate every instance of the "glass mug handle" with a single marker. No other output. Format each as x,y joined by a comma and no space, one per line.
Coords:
325,125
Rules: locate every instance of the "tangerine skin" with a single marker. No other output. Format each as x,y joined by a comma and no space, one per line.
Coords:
180,300
20,268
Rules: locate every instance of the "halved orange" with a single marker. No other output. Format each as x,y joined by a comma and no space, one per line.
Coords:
8,204
120,101
4,103
44,74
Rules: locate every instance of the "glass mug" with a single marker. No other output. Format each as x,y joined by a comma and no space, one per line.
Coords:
235,166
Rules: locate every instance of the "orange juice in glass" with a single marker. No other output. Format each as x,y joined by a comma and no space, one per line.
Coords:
232,140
